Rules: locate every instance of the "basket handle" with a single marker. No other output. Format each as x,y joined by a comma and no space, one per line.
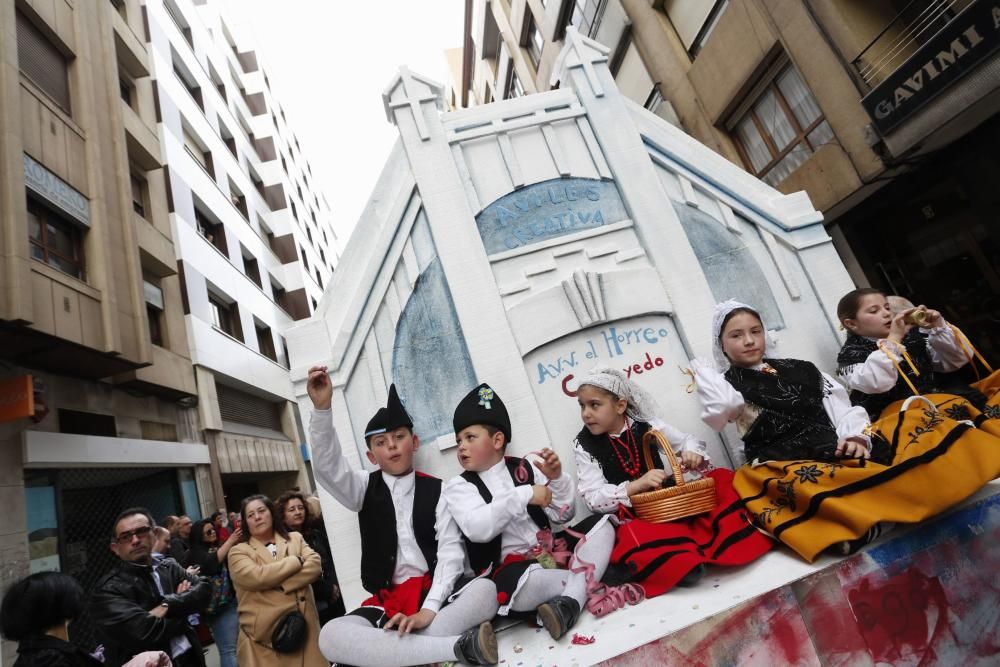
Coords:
660,439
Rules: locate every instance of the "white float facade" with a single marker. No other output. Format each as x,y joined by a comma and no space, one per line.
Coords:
523,242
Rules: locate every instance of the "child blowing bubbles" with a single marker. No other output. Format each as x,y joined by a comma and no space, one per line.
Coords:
616,414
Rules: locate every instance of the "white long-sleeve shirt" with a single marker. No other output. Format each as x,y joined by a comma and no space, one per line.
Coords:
721,403
348,486
877,374
604,497
507,514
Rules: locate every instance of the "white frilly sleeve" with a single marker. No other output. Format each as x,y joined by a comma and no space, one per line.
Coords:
679,440
720,402
849,420
600,495
876,374
945,348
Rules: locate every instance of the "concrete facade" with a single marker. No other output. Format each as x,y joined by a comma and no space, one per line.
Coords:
89,162
254,236
525,241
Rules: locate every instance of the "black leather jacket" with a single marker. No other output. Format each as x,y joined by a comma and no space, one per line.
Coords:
45,651
120,606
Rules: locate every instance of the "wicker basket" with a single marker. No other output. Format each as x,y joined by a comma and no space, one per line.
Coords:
675,502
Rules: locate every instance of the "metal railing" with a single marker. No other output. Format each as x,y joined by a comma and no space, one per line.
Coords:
913,26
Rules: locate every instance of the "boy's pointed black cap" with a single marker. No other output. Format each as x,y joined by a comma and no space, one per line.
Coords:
396,416
377,424
482,405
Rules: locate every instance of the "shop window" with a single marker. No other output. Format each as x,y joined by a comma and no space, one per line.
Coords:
225,316
154,311
55,240
42,62
87,423
782,127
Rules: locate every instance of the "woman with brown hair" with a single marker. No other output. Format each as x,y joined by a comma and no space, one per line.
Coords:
295,512
273,571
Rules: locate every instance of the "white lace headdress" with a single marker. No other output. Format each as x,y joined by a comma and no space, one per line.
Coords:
641,404
722,310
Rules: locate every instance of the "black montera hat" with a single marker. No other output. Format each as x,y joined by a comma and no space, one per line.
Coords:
389,418
482,405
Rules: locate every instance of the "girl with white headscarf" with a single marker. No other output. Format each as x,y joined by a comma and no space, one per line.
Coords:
818,476
611,467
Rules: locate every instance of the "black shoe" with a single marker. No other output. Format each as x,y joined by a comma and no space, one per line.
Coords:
478,646
559,614
692,577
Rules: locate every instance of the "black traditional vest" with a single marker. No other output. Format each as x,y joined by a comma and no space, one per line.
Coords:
792,423
599,447
484,554
379,540
856,350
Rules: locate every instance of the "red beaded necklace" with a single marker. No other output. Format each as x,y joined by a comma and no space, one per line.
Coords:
630,464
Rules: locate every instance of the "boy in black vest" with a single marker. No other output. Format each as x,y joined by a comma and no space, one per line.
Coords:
504,507
411,550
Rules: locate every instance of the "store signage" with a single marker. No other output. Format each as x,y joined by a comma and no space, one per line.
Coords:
56,191
547,210
961,45
17,398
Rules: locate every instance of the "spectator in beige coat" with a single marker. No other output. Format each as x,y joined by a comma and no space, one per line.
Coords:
272,573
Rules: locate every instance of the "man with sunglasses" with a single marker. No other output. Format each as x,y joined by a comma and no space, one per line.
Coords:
139,606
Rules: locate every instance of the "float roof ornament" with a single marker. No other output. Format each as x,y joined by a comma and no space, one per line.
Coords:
580,51
409,89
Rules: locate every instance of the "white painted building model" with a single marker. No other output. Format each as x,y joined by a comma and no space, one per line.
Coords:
522,242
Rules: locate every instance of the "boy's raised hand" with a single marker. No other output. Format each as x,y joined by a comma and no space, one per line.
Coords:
549,464
319,387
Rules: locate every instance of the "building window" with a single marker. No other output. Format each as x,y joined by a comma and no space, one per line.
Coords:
43,63
319,278
513,88
533,39
239,200
251,268
54,240
213,232
708,27
305,260
139,198
119,6
265,341
126,90
781,129
189,83
200,155
584,15
154,311
225,316
87,423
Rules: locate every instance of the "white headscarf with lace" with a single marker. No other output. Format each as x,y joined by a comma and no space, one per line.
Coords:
722,310
641,404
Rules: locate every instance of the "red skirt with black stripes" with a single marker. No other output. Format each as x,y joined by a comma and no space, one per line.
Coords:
658,555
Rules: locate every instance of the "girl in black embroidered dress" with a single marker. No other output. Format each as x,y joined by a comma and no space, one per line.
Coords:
813,478
887,358
611,467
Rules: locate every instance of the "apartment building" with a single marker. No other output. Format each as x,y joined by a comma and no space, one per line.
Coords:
883,111
255,243
97,391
